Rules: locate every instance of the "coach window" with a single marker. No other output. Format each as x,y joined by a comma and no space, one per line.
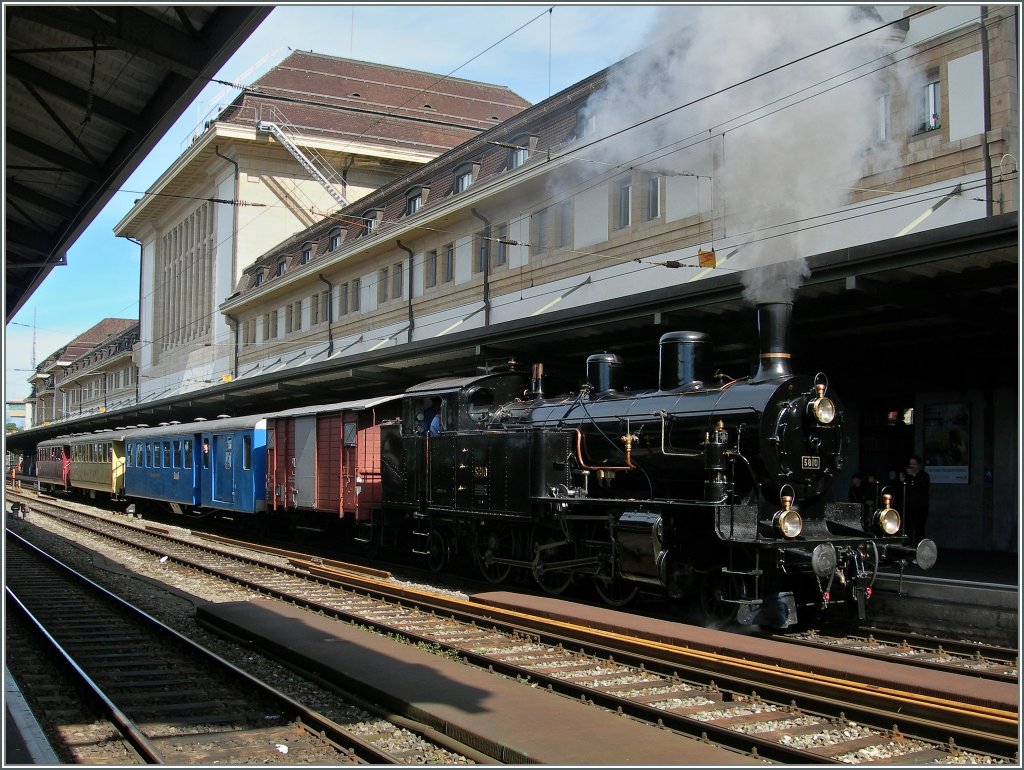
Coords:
139,459
176,457
246,452
227,453
167,454
350,433
186,460
110,453
128,454
206,453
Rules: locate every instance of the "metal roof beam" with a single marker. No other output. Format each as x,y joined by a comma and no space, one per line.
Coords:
52,154
73,95
135,32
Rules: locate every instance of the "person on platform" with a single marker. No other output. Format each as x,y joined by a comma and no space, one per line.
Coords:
916,485
857,490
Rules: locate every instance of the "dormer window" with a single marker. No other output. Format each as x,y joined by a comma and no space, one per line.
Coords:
281,267
413,204
334,241
371,220
307,252
259,278
464,177
520,151
586,125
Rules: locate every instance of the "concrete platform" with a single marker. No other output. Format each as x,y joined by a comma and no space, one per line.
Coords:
25,743
505,719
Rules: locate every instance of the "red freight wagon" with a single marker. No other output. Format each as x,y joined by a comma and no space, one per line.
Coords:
326,460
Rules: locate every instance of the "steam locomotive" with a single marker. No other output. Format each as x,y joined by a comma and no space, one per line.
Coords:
707,487
710,490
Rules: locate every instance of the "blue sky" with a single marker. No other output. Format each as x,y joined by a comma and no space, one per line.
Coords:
534,52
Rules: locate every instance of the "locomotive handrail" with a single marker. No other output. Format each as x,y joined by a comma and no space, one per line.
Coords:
694,453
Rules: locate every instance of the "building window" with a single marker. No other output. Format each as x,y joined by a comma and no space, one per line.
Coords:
382,285
625,196
396,281
463,178
334,240
932,105
357,286
586,125
413,204
448,263
370,221
281,267
307,252
500,249
259,278
314,310
342,300
539,232
654,197
883,108
293,317
430,270
270,325
518,156
564,225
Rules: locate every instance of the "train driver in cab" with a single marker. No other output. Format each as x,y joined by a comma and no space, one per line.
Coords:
432,424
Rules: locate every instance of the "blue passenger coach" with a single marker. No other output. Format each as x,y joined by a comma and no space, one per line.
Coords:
200,467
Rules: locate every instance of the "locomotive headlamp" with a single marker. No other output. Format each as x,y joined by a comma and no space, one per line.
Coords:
886,519
788,522
823,409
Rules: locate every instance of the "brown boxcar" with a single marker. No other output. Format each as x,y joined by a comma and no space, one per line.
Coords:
326,460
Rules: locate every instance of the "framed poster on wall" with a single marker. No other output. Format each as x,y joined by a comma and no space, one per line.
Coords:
947,455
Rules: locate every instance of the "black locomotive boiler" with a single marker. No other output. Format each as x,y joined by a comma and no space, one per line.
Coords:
707,489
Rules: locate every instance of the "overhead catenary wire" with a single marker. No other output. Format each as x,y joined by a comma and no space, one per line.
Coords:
465,234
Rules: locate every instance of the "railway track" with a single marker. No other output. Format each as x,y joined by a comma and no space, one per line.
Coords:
735,708
953,655
164,698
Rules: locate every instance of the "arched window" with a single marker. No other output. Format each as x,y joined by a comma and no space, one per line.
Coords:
334,239
371,221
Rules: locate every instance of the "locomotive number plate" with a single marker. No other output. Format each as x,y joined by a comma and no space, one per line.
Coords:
810,463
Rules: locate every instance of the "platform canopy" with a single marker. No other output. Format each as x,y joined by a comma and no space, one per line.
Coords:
90,90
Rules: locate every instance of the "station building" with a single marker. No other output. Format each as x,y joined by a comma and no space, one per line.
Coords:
314,134
94,372
877,190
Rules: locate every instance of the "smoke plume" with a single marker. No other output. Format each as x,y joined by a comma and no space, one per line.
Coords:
776,105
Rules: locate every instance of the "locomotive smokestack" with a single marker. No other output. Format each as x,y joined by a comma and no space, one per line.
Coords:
773,330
